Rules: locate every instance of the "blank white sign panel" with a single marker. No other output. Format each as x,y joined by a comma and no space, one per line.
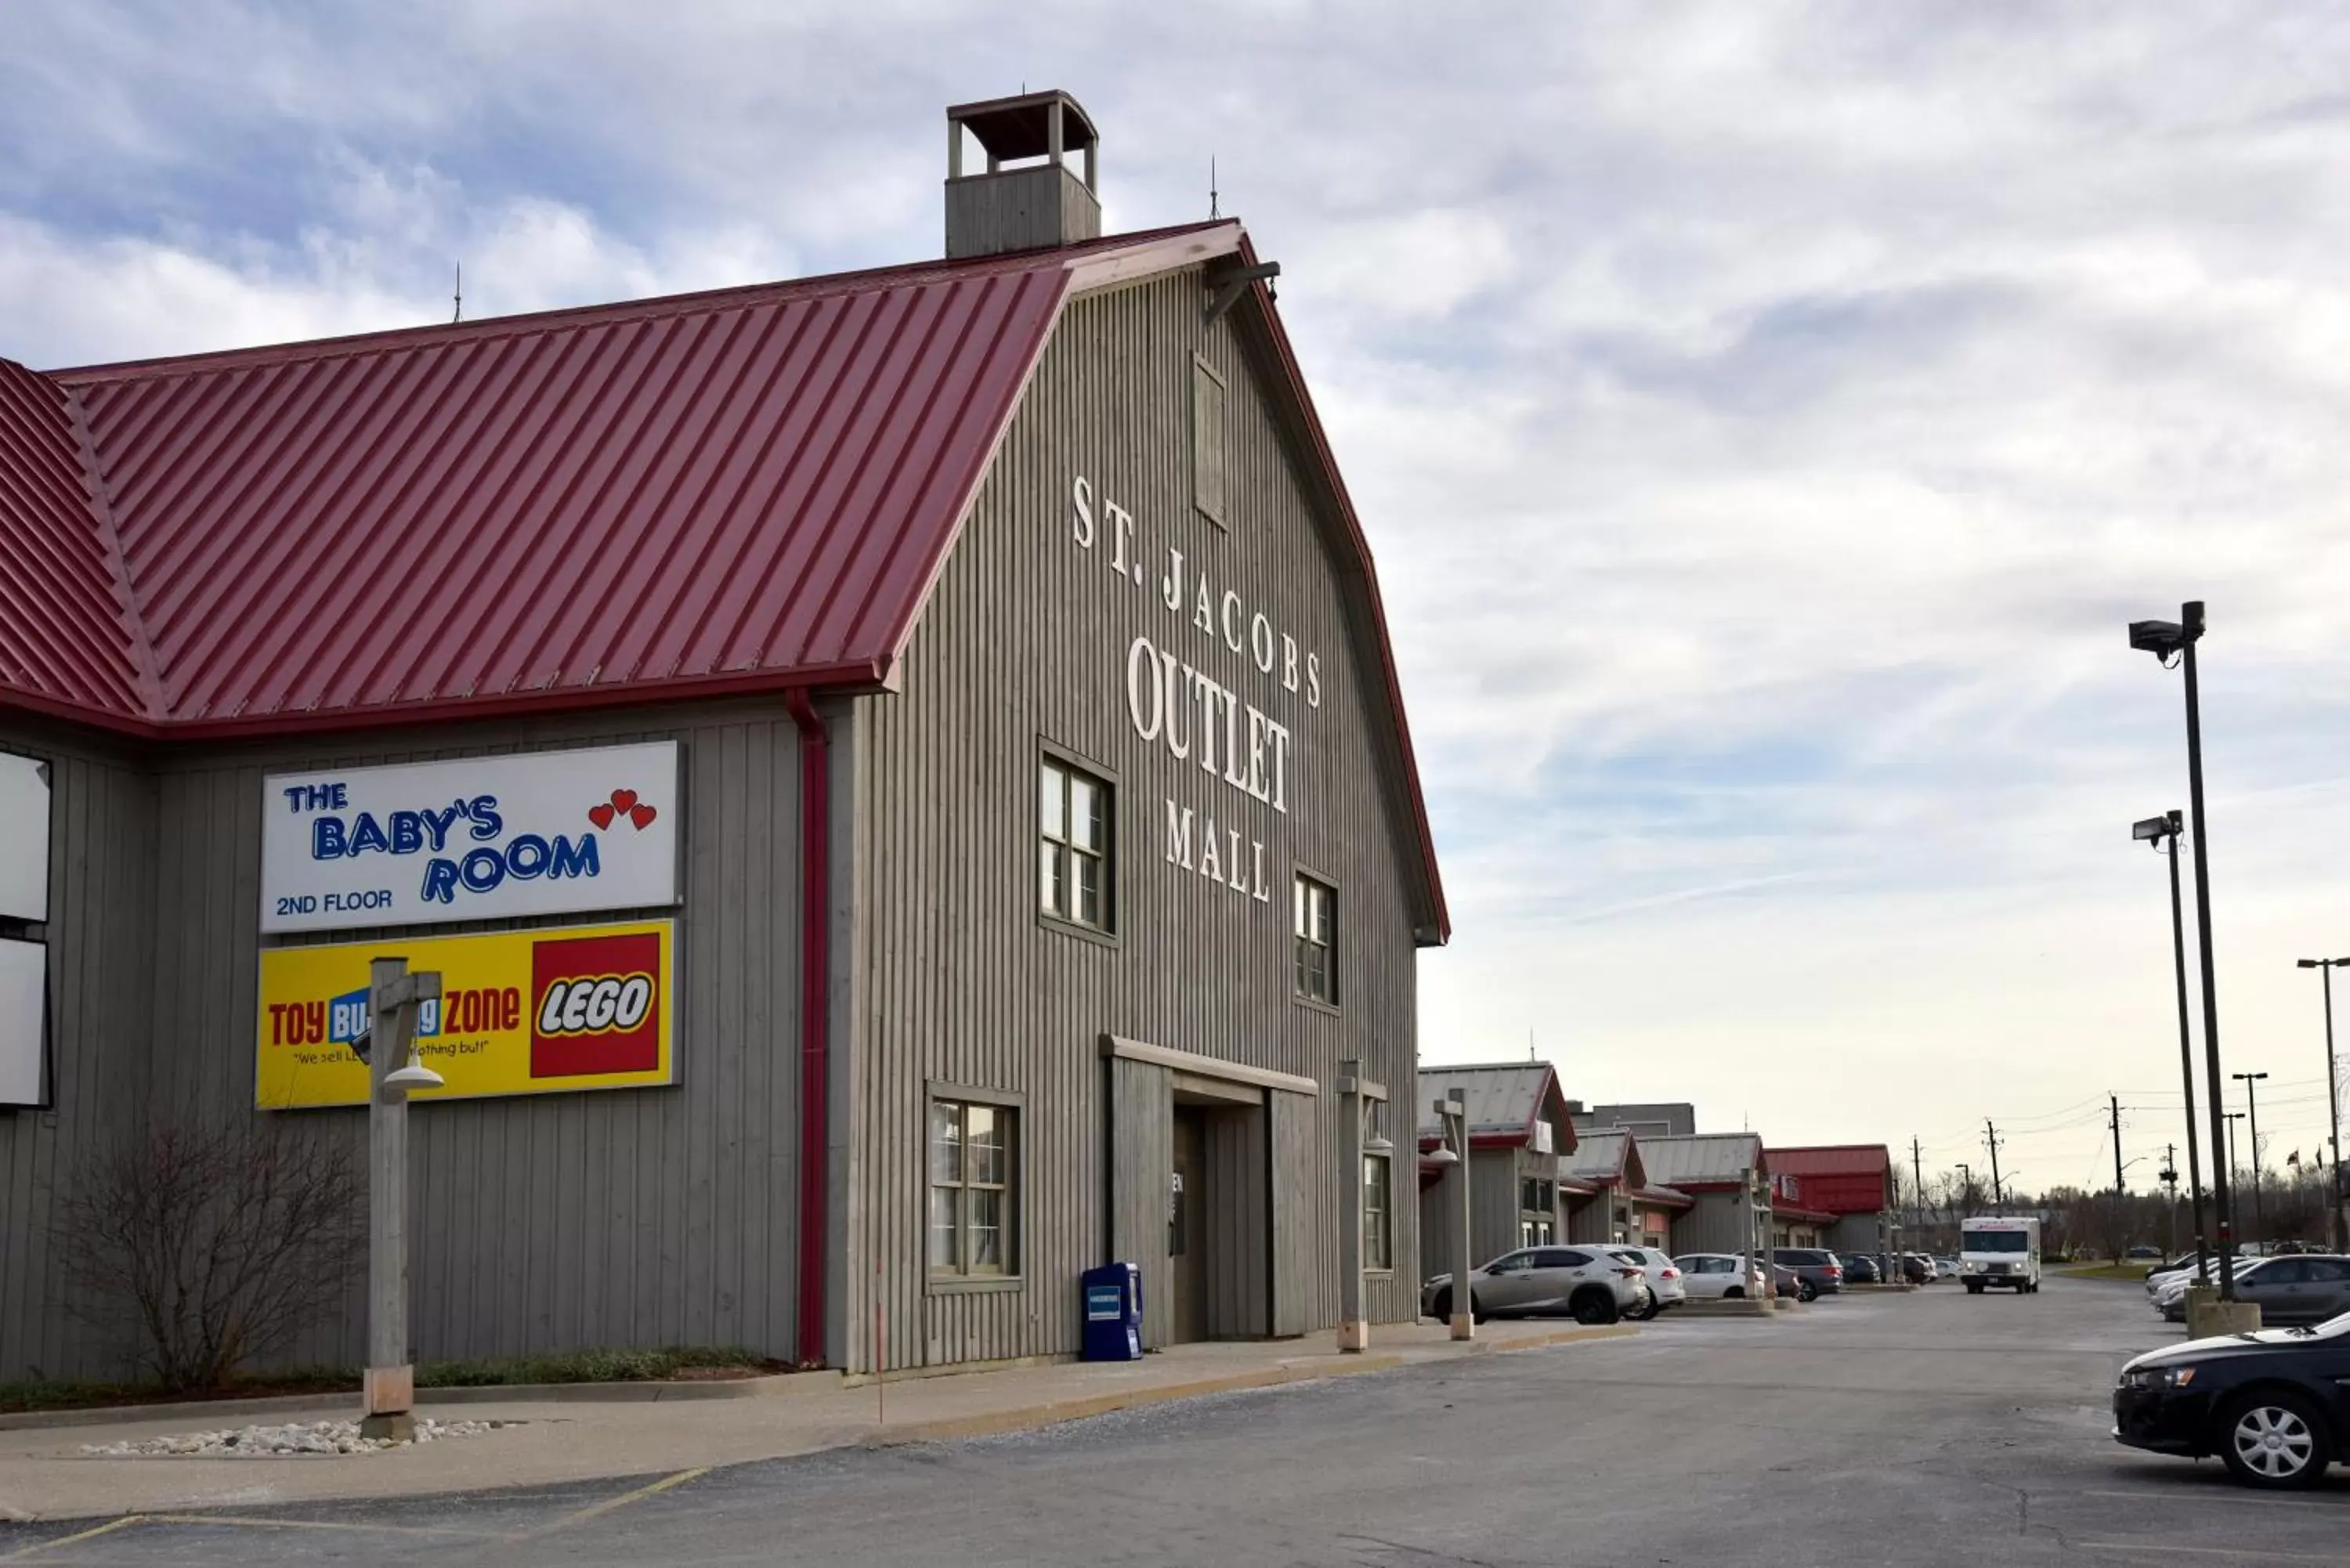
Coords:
24,838
24,985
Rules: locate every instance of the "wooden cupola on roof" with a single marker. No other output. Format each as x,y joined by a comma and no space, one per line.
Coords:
1018,203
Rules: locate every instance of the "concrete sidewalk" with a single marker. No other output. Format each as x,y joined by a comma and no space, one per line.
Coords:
44,1474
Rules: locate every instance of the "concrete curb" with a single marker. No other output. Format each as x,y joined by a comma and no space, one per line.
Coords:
994,1423
647,1391
991,1423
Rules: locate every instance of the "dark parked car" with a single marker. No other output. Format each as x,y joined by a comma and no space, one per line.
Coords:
1819,1272
2274,1406
1860,1271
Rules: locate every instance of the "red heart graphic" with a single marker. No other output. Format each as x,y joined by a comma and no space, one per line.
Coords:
601,815
622,799
643,816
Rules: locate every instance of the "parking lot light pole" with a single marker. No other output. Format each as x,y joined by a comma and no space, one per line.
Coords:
1451,1115
2168,640
387,1392
2252,1102
2334,1195
2163,832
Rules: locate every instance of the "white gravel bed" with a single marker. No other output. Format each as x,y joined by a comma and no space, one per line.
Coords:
295,1438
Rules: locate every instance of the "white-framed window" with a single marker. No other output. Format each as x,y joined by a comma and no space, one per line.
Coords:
975,1189
1378,1227
1073,832
1315,923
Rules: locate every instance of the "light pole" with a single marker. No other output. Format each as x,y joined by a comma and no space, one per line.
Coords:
1452,1117
388,1394
2163,832
2167,641
1360,1097
2252,1104
2324,968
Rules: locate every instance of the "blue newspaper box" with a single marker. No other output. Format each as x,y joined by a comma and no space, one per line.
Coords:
1113,1295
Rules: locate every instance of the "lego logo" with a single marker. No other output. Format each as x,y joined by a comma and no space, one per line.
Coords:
596,1004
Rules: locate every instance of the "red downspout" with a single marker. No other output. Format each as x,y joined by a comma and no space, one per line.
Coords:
816,968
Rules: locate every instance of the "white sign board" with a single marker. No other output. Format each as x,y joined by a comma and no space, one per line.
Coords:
24,838
24,983
537,833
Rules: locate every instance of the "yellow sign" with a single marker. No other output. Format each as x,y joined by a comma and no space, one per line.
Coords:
521,1013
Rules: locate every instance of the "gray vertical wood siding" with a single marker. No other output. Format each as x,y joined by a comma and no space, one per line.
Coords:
1716,1222
1024,644
100,937
626,1218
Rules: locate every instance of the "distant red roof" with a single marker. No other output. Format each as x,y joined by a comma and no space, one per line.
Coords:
743,490
1839,1179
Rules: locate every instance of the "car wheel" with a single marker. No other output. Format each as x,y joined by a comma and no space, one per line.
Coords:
1592,1307
2274,1438
1443,1310
1734,1294
1974,1287
1477,1312
1807,1292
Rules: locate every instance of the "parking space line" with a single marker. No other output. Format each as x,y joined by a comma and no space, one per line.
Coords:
249,1522
597,1510
109,1528
2269,1553
2253,1499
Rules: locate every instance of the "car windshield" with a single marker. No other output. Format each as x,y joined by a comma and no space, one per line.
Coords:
1997,1242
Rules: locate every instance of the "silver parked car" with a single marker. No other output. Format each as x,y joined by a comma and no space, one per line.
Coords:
1666,1289
1590,1284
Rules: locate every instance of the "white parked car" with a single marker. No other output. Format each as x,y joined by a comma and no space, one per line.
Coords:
1715,1276
1588,1283
1663,1277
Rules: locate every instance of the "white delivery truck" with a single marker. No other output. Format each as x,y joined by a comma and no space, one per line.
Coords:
1999,1249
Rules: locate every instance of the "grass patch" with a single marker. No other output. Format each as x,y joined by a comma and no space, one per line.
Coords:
677,1361
597,1367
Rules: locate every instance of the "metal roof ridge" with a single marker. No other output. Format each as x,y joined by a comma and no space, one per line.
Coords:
146,675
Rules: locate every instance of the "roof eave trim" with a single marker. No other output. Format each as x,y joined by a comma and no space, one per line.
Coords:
861,675
1440,928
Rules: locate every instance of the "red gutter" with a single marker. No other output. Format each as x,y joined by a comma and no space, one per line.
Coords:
816,968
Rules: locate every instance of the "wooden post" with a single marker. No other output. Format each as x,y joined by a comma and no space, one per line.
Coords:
1454,1109
1354,1333
389,1390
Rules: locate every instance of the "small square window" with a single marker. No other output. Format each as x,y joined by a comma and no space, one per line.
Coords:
974,1195
1316,931
1073,849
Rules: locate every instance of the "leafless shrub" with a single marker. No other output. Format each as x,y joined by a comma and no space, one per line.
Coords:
223,1240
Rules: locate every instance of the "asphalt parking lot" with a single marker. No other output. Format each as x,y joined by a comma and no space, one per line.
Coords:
1932,1427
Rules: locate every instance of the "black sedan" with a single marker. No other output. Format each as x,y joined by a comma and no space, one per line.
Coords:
2274,1405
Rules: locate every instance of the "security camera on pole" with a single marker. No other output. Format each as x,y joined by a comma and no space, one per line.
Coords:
389,1390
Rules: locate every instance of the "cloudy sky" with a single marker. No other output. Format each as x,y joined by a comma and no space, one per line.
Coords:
1767,418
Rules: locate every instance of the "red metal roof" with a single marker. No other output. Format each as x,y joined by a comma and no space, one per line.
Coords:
1840,1178
743,490
64,646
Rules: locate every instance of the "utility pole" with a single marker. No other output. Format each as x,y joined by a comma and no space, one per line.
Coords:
2253,1101
2333,1193
2164,833
2170,1179
1990,1135
2232,1118
1917,1184
1966,1191
2115,1103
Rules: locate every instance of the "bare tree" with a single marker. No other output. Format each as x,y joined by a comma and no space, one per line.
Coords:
224,1240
